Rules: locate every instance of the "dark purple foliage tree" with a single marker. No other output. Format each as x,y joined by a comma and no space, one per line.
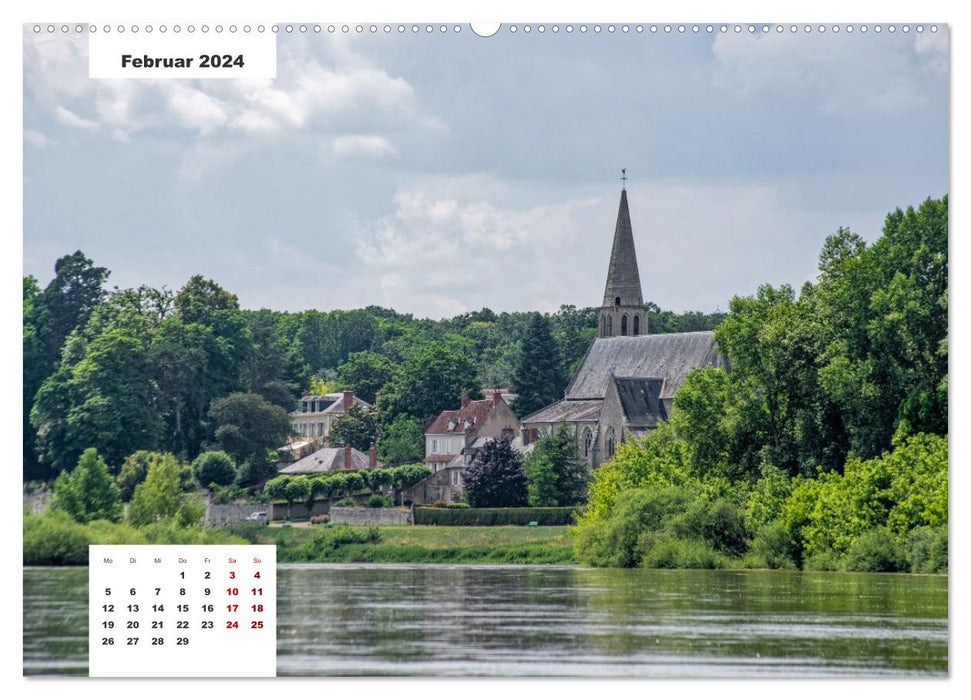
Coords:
496,479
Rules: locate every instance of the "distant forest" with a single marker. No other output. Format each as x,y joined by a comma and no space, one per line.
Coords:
139,369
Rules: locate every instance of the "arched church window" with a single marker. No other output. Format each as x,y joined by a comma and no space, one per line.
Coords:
587,442
610,442
610,325
623,325
637,325
617,301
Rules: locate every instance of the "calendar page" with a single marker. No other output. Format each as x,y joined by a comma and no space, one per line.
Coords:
182,611
595,343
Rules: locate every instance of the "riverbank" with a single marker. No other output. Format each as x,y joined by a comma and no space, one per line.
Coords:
416,544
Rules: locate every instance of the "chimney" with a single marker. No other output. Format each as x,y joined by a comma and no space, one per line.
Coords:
377,397
496,397
465,399
372,456
348,400
348,458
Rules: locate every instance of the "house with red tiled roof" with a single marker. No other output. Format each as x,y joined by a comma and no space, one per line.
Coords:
449,435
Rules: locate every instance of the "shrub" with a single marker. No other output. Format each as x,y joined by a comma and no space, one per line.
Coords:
55,539
320,519
228,494
346,503
875,550
678,553
719,523
214,468
327,541
376,501
823,561
772,548
925,550
613,540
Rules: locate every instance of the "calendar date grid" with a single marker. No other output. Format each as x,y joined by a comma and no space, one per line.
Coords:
181,612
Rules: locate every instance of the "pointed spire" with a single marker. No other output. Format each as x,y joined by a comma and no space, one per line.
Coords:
623,279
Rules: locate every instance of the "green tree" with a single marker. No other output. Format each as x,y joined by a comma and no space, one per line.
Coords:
88,492
574,331
496,479
537,379
48,317
401,442
134,470
214,468
201,299
357,427
557,477
103,400
246,426
365,373
430,380
160,497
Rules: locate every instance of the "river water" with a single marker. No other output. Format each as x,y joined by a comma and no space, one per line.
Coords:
434,620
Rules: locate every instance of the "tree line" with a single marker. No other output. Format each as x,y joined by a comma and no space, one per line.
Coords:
184,372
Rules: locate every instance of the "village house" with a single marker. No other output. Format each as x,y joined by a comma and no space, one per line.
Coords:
314,418
626,382
454,436
331,459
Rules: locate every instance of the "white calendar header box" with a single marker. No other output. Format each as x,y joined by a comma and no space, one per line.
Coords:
143,55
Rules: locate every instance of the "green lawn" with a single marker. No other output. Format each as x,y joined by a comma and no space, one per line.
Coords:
417,543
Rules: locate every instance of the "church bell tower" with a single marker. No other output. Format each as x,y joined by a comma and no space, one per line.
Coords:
623,311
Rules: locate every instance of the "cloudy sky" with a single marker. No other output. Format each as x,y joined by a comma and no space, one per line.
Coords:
437,174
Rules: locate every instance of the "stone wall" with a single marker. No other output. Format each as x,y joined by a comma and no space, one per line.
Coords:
278,511
371,516
223,514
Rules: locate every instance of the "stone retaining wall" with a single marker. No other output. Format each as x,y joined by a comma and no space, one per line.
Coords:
371,516
224,514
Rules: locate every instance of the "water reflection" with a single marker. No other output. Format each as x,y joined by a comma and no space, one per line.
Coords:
513,621
407,619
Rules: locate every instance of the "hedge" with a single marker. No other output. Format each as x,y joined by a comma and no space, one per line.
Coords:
494,516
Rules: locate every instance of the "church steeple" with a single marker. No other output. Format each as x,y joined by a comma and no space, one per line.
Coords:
623,312
623,279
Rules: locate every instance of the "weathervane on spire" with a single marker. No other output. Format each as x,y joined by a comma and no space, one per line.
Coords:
623,177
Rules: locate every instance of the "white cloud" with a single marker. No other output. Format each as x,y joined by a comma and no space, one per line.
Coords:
933,48
334,96
840,73
362,146
194,109
69,118
447,249
36,138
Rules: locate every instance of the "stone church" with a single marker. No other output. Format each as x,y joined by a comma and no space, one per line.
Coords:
625,385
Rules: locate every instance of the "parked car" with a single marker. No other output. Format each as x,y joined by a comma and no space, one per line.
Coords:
260,516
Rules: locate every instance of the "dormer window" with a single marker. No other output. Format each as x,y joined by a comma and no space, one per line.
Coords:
451,425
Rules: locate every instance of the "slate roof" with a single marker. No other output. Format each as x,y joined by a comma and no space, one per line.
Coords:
623,279
665,356
566,410
641,400
327,459
475,412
